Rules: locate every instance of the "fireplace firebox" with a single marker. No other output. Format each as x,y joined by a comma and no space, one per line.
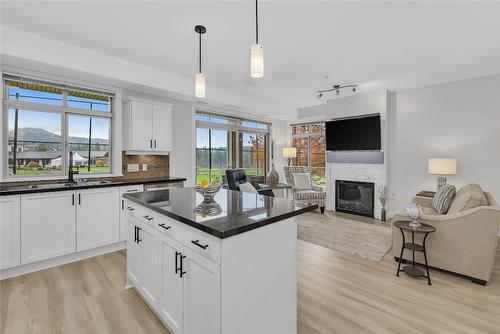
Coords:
355,197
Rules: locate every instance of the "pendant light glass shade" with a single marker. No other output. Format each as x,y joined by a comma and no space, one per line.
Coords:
257,61
199,85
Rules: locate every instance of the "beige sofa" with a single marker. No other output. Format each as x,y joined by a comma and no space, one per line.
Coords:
464,243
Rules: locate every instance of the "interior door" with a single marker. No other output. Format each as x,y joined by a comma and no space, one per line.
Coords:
134,263
98,218
10,231
162,128
141,126
171,295
48,225
148,238
201,294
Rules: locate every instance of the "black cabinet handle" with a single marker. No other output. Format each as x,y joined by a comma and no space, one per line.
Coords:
177,268
181,270
197,243
165,227
123,204
155,143
147,217
135,234
79,199
73,199
138,235
129,208
151,143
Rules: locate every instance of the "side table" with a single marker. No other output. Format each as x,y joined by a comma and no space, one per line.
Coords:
414,247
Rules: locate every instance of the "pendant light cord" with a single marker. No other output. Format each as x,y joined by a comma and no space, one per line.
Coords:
199,65
256,23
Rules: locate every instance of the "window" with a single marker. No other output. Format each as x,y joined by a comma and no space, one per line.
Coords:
224,142
46,121
309,139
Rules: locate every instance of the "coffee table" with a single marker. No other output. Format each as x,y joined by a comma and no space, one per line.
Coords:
414,247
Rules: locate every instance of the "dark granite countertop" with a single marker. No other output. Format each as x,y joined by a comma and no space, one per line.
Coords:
41,187
234,212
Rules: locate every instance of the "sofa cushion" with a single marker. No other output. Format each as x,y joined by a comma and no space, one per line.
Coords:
443,198
302,181
468,197
427,210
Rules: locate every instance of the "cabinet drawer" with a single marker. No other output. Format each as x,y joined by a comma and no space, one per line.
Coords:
200,242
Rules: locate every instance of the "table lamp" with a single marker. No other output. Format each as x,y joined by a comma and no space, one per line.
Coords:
442,167
289,153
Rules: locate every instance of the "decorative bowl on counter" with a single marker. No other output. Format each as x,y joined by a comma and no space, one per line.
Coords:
208,208
209,190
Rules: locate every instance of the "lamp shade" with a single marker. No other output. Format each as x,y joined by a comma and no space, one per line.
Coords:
257,61
199,85
442,166
289,152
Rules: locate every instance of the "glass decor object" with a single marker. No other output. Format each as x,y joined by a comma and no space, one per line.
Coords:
414,211
208,190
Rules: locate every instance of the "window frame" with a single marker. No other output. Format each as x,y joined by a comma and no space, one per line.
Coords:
235,128
64,110
309,135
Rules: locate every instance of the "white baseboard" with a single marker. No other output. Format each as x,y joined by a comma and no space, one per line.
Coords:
49,263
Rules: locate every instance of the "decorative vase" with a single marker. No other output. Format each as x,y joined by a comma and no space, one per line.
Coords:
273,177
383,215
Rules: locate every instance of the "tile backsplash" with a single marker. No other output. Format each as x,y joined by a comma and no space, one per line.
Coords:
157,166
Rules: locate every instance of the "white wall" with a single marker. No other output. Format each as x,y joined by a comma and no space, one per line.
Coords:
459,119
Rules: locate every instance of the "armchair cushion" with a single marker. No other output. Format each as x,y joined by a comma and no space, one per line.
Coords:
468,197
247,187
302,181
443,198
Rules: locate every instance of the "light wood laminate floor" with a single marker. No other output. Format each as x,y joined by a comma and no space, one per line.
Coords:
337,293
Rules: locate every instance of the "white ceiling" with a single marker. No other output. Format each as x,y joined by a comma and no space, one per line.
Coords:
380,45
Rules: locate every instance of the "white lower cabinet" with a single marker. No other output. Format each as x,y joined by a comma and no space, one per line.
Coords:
97,217
182,285
48,225
10,231
123,208
171,297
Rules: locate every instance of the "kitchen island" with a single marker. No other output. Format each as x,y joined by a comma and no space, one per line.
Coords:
223,266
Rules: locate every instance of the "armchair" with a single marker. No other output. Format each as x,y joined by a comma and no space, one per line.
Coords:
237,176
465,242
315,195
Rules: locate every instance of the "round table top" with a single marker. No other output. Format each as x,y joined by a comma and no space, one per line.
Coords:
405,225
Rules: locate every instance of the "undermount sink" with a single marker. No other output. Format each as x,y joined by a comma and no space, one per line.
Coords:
67,184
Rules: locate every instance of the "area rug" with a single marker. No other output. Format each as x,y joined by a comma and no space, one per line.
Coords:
364,240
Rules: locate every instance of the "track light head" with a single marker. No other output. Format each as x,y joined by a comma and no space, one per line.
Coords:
355,89
337,91
320,95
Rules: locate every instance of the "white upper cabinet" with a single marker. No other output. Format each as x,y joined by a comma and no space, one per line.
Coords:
98,220
147,127
10,231
48,225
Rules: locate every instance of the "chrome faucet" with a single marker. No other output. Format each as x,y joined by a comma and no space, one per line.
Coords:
71,172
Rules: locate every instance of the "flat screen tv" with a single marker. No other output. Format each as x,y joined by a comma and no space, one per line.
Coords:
354,134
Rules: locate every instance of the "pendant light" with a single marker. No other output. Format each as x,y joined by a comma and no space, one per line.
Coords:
199,79
256,51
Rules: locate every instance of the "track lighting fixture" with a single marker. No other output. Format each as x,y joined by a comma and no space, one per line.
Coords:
337,89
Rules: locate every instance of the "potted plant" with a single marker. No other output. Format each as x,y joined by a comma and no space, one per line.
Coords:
383,196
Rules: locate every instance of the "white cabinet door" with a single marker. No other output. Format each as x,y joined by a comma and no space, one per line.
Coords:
162,128
98,220
48,225
201,294
149,280
134,262
171,296
141,126
123,208
10,231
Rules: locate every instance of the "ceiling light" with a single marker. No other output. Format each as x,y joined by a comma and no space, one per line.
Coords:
337,92
199,79
256,51
337,89
320,95
354,89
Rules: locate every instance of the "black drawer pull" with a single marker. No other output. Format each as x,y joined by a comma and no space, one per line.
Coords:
138,235
129,208
147,217
177,268
197,243
182,272
165,227
135,234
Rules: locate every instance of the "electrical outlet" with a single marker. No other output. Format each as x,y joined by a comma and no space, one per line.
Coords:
144,167
132,167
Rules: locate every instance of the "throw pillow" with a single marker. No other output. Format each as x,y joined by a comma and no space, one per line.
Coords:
468,197
443,198
247,188
302,181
